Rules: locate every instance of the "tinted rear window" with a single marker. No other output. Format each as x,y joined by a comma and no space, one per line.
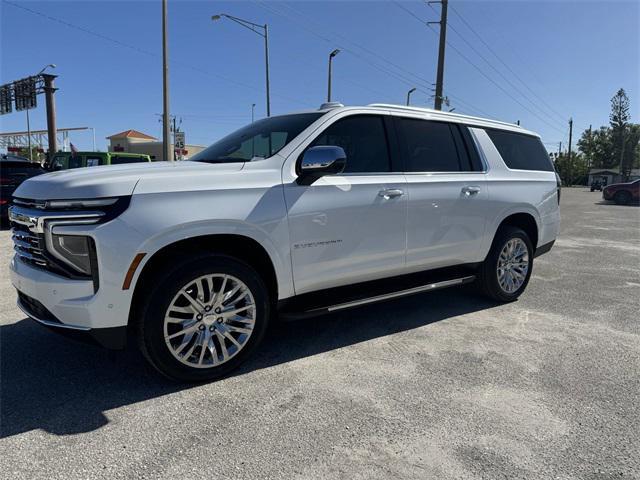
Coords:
521,152
430,146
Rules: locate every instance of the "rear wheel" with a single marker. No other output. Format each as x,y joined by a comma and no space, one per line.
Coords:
204,318
505,272
622,197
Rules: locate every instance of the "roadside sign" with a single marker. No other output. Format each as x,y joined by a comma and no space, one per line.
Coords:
5,99
25,93
179,141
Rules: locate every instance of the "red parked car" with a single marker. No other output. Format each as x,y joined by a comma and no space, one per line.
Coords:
622,193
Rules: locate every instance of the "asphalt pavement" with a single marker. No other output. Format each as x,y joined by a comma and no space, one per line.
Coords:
441,385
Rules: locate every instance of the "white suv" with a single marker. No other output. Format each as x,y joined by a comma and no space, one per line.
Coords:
301,214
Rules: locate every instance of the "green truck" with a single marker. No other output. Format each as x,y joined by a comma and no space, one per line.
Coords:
66,160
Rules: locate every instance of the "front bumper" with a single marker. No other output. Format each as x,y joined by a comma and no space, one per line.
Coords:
113,338
65,305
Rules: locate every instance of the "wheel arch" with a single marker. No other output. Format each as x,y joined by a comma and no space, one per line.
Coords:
525,221
236,245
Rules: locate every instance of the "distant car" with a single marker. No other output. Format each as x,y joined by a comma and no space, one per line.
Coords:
622,193
596,185
67,160
13,171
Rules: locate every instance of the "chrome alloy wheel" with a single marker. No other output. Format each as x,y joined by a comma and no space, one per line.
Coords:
513,265
209,320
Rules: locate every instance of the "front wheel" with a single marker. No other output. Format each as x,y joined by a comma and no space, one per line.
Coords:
505,273
204,318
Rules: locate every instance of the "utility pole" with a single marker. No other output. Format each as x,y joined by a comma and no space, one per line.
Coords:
559,148
590,157
441,49
253,112
49,90
166,134
569,151
174,138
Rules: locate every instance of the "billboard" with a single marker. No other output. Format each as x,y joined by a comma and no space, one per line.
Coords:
5,99
25,93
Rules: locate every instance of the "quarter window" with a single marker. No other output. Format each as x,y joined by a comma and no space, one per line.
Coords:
521,152
363,139
430,146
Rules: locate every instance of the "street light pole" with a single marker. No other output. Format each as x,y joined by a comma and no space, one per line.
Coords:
409,95
266,63
166,128
52,131
29,136
254,27
331,55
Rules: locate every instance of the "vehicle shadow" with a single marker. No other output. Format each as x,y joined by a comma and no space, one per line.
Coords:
612,203
62,387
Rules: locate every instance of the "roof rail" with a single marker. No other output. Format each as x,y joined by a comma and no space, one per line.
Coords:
439,112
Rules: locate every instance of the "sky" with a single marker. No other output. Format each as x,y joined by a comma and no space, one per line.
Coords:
537,62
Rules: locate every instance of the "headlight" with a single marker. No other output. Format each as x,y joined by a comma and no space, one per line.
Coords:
77,204
74,250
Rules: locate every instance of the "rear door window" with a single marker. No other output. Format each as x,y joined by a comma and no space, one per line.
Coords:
431,146
521,152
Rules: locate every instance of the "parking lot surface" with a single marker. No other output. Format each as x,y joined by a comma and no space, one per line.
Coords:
439,385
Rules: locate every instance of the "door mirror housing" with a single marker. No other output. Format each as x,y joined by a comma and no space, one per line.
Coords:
320,161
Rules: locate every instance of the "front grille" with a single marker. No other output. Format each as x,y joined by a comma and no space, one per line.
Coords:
28,246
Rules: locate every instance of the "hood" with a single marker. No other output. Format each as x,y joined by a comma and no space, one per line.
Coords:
115,180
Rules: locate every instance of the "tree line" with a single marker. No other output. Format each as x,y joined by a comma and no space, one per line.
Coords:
615,146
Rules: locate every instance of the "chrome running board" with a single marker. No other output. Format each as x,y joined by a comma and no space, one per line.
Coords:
398,294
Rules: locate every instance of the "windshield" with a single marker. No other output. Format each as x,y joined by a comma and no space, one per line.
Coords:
260,139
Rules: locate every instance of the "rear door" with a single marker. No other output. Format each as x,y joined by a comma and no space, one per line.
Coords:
447,194
349,227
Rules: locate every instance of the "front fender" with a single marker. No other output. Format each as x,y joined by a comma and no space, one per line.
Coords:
192,230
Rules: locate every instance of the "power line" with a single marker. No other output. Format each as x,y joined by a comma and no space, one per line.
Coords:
233,81
342,46
407,77
479,54
560,116
532,73
500,87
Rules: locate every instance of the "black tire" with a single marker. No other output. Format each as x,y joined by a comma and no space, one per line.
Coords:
487,280
151,324
622,197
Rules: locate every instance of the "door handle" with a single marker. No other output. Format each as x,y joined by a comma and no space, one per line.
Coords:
470,191
390,193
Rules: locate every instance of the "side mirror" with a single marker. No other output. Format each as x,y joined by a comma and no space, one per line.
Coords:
319,161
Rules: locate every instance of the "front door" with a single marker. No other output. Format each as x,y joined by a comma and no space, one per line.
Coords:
350,227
